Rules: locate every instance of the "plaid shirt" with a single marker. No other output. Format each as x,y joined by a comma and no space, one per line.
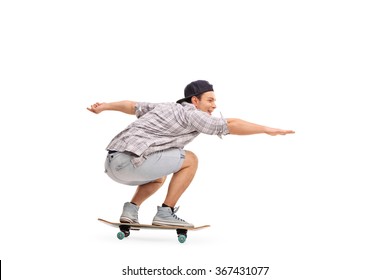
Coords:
162,126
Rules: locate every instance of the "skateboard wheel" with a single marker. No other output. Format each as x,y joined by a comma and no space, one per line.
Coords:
182,238
120,235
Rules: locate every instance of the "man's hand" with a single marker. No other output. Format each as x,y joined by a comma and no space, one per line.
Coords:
96,108
276,131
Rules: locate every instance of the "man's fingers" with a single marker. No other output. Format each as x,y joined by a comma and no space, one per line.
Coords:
91,110
284,132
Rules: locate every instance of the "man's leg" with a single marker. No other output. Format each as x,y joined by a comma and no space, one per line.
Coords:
179,183
130,209
146,190
181,179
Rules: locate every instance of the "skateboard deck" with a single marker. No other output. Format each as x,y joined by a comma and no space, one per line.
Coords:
126,227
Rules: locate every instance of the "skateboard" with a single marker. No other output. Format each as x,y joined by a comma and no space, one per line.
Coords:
126,227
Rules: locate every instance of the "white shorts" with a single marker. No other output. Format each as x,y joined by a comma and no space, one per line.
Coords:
118,166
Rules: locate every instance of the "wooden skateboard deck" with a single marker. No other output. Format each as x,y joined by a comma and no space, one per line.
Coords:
126,227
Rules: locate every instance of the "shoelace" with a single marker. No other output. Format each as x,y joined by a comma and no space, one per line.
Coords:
174,215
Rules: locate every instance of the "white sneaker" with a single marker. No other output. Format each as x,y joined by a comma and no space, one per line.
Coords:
166,217
129,214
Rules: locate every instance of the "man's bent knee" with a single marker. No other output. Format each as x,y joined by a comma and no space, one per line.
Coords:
160,180
190,159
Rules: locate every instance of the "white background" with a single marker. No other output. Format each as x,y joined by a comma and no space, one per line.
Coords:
313,205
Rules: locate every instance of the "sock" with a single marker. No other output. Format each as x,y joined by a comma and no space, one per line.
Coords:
133,203
164,205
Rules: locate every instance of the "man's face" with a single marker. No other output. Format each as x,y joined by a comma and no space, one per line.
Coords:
206,103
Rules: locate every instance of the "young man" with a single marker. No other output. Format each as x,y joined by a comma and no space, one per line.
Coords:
151,147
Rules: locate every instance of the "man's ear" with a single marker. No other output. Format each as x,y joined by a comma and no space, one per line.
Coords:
195,100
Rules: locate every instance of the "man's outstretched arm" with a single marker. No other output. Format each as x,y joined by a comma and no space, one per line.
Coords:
241,127
125,106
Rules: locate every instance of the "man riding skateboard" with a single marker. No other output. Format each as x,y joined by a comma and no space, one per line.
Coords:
152,147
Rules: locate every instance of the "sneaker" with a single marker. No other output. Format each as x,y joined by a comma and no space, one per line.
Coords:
129,214
166,217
